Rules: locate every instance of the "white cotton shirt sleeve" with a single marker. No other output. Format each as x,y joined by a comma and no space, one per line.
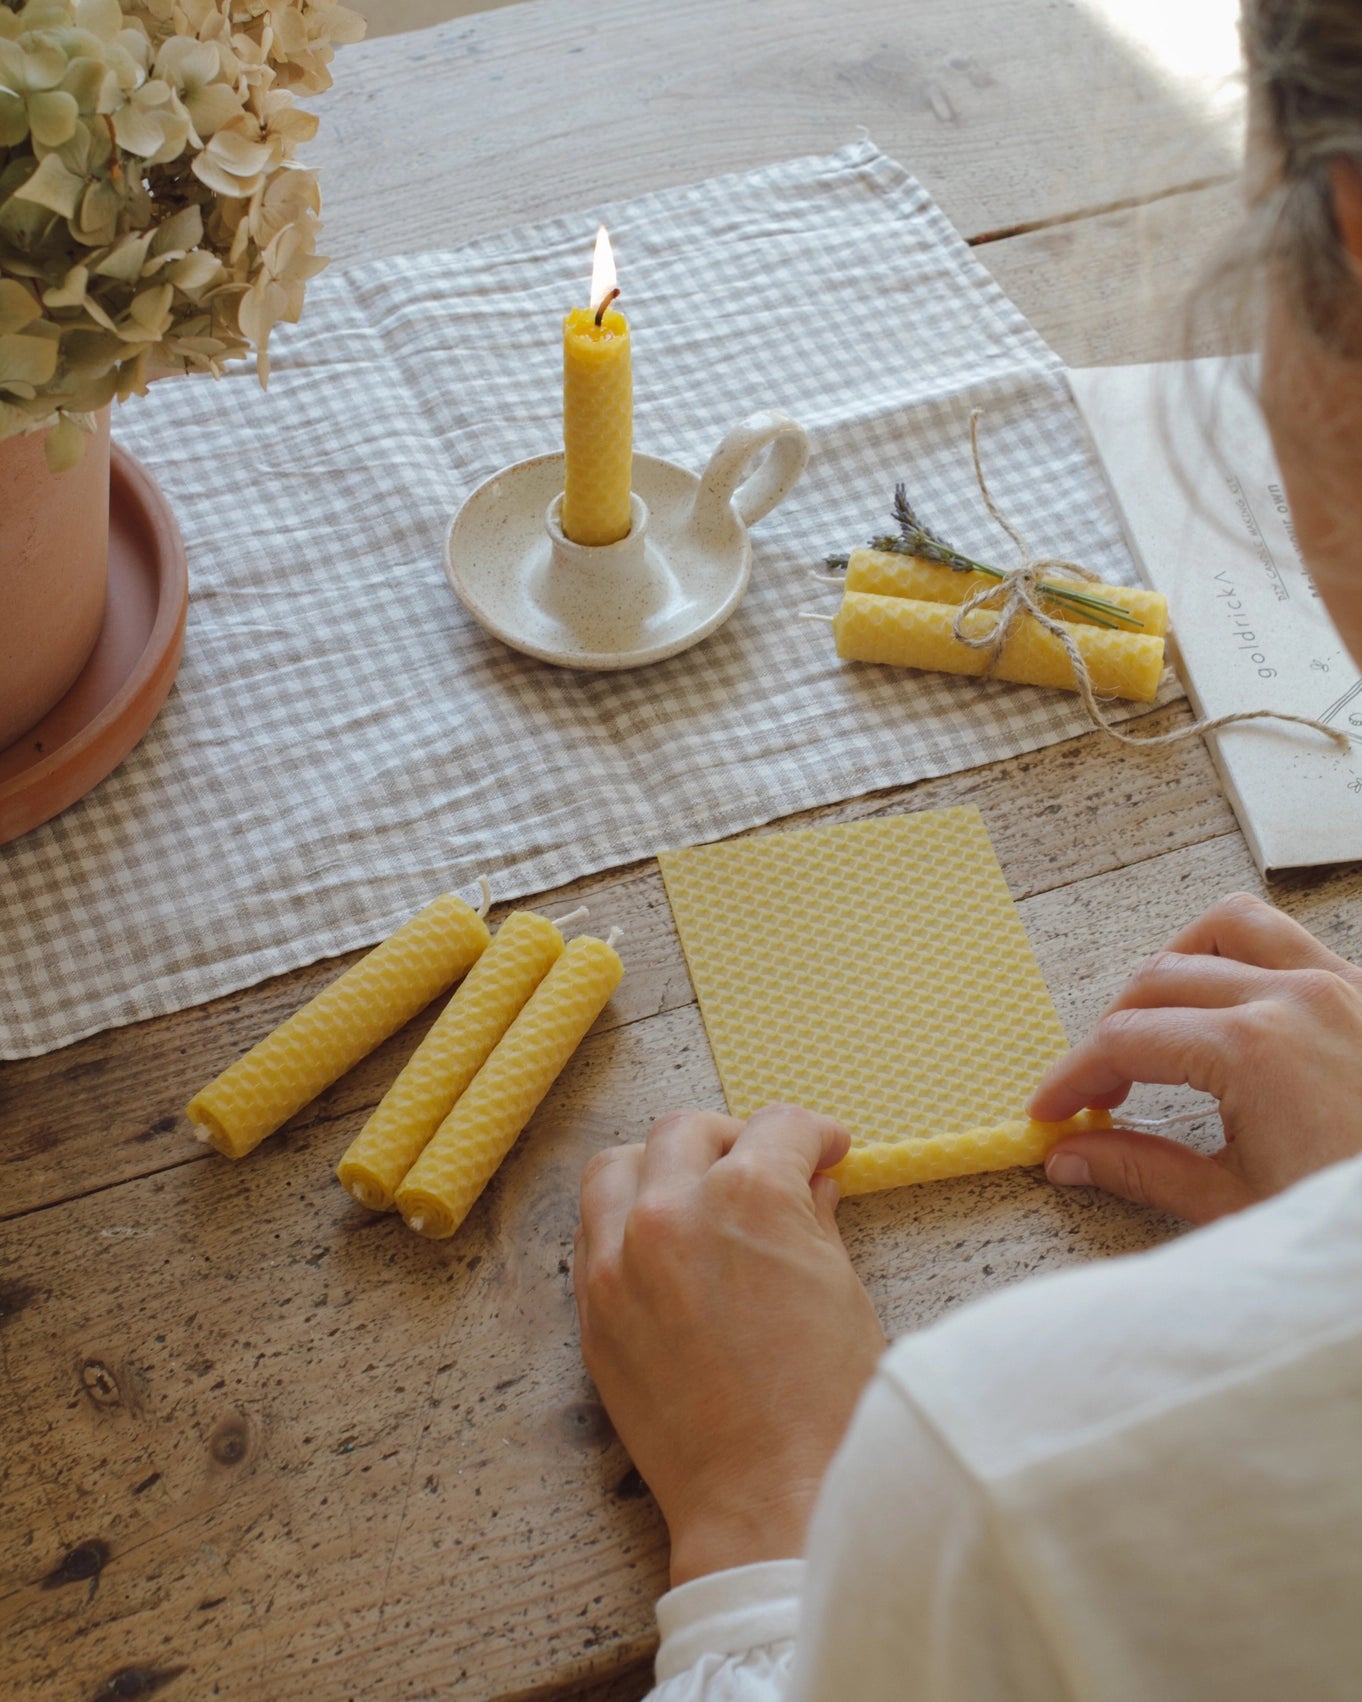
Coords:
1138,1479
729,1637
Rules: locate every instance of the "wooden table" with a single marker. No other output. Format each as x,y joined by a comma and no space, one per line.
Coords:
255,1444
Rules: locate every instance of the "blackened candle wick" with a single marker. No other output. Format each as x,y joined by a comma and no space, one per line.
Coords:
600,311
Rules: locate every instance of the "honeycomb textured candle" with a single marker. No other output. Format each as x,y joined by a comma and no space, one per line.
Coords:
896,1164
461,1159
886,573
459,1042
907,633
598,427
332,1032
877,971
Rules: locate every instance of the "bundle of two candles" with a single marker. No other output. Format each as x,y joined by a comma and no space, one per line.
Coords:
454,1112
901,610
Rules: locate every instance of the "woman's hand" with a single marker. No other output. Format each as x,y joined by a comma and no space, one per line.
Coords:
1243,1004
723,1324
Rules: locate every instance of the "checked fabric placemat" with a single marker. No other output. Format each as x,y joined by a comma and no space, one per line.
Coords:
344,741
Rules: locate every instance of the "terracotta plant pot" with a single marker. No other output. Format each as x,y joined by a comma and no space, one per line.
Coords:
54,553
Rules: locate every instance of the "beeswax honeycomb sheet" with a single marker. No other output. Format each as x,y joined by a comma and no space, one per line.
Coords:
876,971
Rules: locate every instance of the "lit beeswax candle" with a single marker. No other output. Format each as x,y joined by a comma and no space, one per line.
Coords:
885,573
466,1149
489,999
907,633
894,1164
598,412
332,1032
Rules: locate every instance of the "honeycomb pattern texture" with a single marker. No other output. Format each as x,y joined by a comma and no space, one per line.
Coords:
884,573
908,633
598,428
341,1025
466,1149
894,1164
459,1042
876,971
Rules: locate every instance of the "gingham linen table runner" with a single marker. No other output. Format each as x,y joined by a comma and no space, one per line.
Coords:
344,741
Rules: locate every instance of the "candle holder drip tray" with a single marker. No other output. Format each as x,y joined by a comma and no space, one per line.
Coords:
676,577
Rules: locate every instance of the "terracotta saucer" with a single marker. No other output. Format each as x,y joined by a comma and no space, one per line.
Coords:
132,667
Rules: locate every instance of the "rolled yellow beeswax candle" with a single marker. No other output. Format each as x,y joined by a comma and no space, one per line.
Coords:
341,1025
895,1164
466,1149
907,633
885,573
459,1042
598,413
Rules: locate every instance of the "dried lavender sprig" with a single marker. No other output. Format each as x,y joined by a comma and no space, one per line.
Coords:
918,539
921,541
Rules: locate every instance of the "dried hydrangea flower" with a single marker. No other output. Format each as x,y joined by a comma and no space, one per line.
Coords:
153,217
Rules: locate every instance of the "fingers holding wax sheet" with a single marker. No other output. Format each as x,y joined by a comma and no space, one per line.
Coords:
1245,1005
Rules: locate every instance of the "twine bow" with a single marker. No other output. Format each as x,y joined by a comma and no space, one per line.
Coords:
1016,593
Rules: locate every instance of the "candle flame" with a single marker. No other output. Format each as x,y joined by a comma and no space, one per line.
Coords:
602,269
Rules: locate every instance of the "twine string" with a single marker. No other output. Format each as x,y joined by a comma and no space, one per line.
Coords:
1016,593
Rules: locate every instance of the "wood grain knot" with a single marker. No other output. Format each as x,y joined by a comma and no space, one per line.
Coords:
586,1423
230,1442
86,1560
100,1383
14,1296
131,1682
162,1126
631,1486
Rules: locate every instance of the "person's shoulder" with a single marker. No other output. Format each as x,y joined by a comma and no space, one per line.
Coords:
1267,1301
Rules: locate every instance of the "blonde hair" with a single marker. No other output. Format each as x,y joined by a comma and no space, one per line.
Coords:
1304,65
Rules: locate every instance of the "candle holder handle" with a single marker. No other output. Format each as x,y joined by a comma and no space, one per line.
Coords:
757,464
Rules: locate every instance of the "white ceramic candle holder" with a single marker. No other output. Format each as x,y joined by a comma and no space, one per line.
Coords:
676,577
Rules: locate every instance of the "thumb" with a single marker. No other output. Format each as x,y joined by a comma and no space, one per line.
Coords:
1150,1171
826,1194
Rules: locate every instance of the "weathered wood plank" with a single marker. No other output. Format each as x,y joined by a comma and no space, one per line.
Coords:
108,1108
392,17
1131,285
296,1442
550,106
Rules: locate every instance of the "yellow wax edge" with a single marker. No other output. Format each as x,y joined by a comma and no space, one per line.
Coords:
908,633
598,427
459,1042
885,573
466,1149
897,1164
342,1024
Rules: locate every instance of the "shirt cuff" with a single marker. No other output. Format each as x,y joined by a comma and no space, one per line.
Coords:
728,1613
